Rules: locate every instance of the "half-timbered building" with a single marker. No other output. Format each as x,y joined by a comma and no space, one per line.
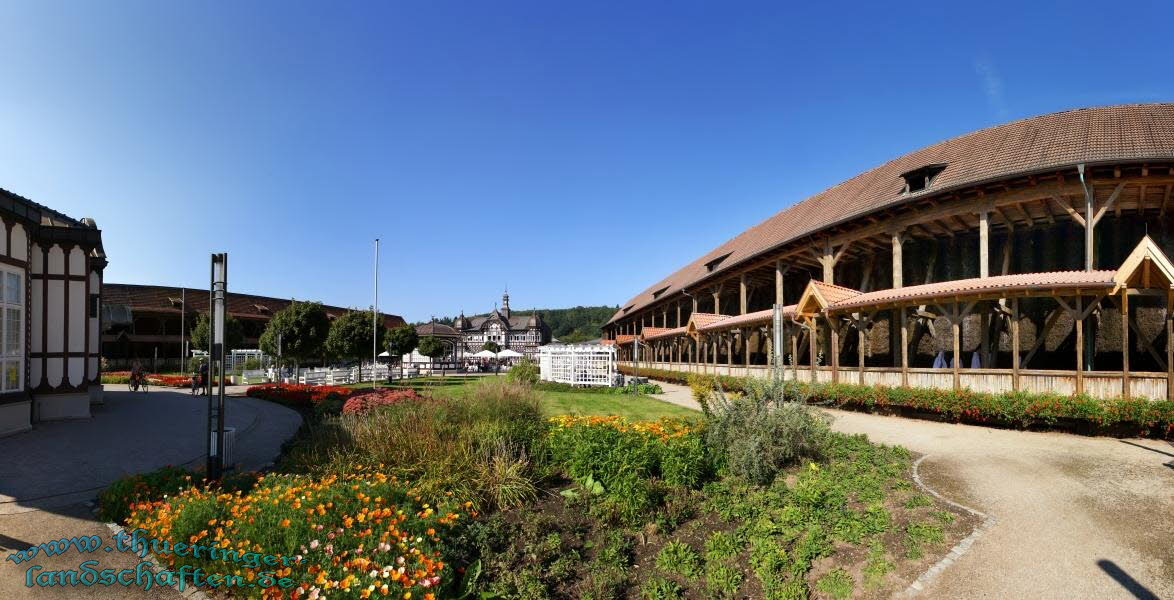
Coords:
50,289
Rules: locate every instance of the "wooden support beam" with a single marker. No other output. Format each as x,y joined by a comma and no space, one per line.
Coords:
860,341
956,329
947,229
1015,344
795,357
984,240
1108,203
1079,325
1068,209
1042,334
1047,211
1124,343
898,240
1141,199
780,271
1165,200
1169,338
835,350
742,293
904,350
812,336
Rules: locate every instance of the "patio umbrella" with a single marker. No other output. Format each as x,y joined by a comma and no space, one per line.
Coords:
485,354
507,353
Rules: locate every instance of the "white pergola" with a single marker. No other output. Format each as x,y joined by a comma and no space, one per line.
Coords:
578,364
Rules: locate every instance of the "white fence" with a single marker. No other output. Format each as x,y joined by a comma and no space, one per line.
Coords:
578,364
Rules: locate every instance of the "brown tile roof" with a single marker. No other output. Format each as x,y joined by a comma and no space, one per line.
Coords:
651,333
436,330
973,287
702,320
165,299
753,318
625,339
1090,135
834,293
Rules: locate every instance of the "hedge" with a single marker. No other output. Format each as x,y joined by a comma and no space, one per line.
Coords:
1015,409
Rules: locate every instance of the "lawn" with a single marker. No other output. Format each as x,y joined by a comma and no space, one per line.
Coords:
636,408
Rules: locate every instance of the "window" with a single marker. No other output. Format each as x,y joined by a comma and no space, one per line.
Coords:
919,179
662,290
711,265
11,330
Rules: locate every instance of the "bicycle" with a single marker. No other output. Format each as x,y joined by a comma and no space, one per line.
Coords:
139,382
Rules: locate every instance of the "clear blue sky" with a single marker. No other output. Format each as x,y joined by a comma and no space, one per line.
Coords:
575,151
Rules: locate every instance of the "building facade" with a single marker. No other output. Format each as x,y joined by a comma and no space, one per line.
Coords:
144,322
1027,256
520,333
51,270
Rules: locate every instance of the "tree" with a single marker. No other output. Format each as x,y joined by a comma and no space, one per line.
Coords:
302,328
493,347
234,333
400,341
350,335
432,347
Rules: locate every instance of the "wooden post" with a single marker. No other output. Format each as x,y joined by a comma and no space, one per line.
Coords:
678,314
1125,342
835,351
717,301
746,349
984,330
1015,344
1169,342
813,330
1079,345
779,282
1089,226
742,295
829,264
694,303
904,349
730,352
956,329
984,239
860,350
898,268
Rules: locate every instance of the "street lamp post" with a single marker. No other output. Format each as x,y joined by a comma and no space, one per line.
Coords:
374,321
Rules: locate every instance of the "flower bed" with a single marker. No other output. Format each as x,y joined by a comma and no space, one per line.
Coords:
362,404
1016,409
298,395
352,536
170,380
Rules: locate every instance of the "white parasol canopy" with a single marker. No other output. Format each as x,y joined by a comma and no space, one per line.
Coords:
384,354
485,354
507,353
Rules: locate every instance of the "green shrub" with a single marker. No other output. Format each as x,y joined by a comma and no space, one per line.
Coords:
722,545
524,371
1019,409
643,388
836,583
723,581
677,557
659,588
115,501
758,434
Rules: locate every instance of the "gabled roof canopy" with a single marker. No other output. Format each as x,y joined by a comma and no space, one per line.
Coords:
1146,267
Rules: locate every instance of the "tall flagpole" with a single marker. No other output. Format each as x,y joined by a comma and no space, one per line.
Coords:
375,317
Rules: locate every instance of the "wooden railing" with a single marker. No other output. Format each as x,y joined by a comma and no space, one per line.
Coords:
1098,384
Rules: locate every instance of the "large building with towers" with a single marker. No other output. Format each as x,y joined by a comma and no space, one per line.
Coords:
50,291
1026,256
520,333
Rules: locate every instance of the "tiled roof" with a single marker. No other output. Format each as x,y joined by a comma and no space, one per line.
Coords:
704,319
436,330
834,293
165,299
625,339
1090,135
972,287
754,318
651,333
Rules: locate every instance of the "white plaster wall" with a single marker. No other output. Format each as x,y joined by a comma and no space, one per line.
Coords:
55,316
53,368
37,264
77,261
76,368
53,407
4,245
95,334
36,290
91,368
56,260
77,316
20,242
34,373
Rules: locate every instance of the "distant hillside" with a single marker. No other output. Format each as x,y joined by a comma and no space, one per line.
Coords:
569,325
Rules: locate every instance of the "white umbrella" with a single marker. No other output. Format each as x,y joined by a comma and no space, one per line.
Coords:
384,354
485,354
507,353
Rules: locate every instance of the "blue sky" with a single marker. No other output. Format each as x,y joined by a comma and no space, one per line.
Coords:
574,151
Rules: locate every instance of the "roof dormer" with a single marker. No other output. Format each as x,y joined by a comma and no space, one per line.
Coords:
921,178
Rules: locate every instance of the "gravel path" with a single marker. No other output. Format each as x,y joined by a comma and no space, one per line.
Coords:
1078,517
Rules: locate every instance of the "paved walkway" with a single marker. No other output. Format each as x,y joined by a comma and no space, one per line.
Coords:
49,472
1078,517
